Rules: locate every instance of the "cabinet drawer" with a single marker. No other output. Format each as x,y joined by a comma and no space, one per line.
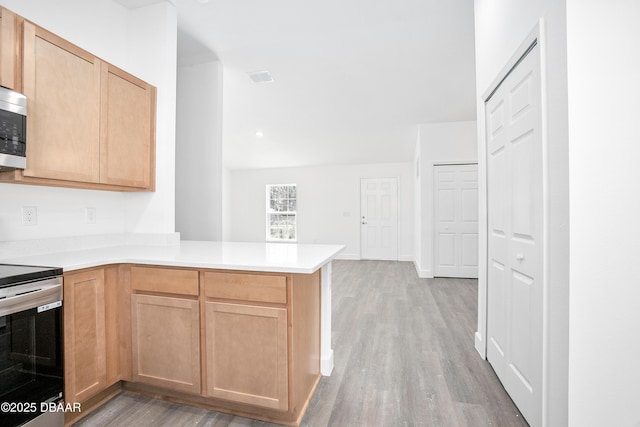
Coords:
172,281
246,287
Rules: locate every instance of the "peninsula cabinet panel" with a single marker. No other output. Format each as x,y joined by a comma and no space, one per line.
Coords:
113,293
84,335
62,86
247,359
166,342
9,61
127,130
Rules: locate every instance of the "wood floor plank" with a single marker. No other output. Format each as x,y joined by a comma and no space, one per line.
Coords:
404,356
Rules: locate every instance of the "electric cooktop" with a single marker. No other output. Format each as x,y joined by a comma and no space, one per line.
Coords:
12,274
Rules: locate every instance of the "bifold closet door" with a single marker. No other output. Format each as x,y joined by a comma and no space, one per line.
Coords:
515,233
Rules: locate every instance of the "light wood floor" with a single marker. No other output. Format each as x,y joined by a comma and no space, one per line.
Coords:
404,356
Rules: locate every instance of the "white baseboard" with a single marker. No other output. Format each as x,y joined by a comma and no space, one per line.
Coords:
423,273
481,348
326,364
350,257
356,257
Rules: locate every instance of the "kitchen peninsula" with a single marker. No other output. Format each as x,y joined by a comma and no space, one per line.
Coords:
243,328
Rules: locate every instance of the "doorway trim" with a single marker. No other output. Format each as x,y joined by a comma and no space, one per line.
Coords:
536,35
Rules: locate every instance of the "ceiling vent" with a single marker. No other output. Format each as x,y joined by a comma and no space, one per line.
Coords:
261,76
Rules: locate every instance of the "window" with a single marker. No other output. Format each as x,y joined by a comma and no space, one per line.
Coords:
281,212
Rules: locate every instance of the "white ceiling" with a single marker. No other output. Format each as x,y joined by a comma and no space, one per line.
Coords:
353,78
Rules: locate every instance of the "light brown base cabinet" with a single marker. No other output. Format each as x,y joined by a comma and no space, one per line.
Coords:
166,342
91,332
84,335
236,369
245,343
165,326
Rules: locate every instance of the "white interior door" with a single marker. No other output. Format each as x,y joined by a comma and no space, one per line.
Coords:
456,220
379,219
515,221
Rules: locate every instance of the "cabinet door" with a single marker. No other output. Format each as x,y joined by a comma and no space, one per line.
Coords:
8,49
247,357
166,342
84,335
127,130
62,85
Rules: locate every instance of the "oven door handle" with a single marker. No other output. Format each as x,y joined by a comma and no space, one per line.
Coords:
32,295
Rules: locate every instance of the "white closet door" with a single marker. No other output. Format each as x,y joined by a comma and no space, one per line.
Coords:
515,209
456,220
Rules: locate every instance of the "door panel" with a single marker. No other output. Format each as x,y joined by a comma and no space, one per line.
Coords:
447,250
126,130
85,338
166,341
9,65
456,220
62,85
470,205
515,206
498,320
470,250
379,219
247,359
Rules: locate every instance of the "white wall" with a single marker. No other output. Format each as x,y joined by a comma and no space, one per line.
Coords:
438,143
143,43
328,203
151,54
199,151
227,214
501,26
604,346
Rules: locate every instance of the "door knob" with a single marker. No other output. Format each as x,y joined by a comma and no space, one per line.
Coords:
520,256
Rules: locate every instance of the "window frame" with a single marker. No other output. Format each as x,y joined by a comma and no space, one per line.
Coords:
269,213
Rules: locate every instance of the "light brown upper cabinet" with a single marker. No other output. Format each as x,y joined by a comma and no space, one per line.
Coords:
89,123
127,129
62,86
9,63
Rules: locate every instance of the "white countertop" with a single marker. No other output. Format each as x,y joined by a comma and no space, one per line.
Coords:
274,257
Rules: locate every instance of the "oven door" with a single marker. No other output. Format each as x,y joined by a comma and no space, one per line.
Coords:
31,365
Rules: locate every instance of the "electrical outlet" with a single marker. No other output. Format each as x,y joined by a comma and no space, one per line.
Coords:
90,215
29,215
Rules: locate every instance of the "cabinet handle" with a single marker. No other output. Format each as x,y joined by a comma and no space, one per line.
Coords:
520,256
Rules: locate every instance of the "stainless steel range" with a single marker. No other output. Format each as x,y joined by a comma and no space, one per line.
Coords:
31,346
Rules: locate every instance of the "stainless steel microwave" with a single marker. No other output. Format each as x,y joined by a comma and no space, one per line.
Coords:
13,130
